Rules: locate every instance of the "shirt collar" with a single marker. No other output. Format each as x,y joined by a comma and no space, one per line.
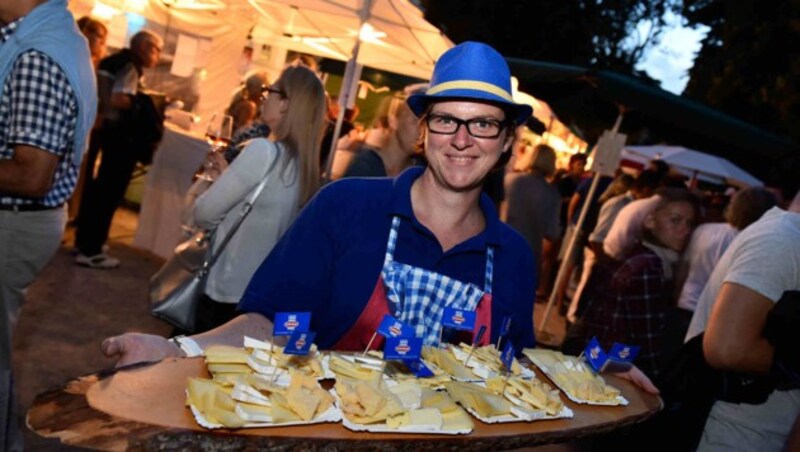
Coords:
492,235
8,29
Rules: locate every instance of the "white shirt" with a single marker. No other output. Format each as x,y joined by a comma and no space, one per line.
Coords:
627,227
705,249
765,257
608,212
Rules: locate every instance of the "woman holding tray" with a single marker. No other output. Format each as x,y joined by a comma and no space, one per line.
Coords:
408,246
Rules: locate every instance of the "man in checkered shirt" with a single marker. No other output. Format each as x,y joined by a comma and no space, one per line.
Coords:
48,101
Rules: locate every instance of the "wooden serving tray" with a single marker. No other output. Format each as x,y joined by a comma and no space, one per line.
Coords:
143,407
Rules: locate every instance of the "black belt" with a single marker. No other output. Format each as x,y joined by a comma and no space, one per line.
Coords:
27,207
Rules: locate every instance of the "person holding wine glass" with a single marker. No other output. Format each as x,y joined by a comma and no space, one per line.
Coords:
218,136
293,108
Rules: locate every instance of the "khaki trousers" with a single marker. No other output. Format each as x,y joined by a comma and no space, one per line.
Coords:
28,240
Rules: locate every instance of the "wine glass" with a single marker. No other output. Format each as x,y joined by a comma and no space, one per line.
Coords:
218,136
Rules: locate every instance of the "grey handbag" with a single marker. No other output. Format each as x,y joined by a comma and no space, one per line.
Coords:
178,286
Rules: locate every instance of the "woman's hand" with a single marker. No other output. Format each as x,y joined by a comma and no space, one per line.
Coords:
131,348
215,164
637,377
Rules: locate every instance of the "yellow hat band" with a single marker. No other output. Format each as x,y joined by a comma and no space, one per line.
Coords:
470,84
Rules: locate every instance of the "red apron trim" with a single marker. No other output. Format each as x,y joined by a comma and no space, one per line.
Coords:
357,338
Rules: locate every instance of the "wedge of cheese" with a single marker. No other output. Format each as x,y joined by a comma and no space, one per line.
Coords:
367,401
229,368
254,413
573,376
422,419
219,354
481,400
344,367
445,360
409,393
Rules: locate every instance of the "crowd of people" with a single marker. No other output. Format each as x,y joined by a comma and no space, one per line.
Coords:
409,229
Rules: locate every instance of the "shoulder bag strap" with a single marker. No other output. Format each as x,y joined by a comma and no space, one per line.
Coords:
212,257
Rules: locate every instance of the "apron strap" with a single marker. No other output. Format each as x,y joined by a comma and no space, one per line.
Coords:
487,287
392,241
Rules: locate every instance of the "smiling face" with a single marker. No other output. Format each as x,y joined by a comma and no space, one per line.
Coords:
672,224
460,161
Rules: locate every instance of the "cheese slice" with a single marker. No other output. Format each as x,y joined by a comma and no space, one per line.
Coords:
200,392
457,420
225,354
408,393
229,368
246,393
253,413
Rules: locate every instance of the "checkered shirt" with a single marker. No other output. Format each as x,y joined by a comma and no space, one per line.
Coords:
38,108
628,303
418,296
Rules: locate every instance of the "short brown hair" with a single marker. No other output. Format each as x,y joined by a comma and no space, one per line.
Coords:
747,206
544,160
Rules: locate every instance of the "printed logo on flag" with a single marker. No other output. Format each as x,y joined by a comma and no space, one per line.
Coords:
391,327
508,355
623,352
287,323
458,319
299,343
595,355
402,348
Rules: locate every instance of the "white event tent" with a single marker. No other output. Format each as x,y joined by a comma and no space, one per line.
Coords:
212,36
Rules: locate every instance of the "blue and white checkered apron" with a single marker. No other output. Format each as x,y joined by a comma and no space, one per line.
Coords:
418,296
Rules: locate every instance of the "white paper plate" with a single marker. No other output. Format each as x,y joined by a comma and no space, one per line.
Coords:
620,400
382,428
519,416
332,414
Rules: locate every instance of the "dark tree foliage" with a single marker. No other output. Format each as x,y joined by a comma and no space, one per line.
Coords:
596,33
749,65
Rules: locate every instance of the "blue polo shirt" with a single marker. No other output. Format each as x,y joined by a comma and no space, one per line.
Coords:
330,259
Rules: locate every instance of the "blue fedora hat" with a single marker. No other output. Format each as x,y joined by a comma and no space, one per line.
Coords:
471,71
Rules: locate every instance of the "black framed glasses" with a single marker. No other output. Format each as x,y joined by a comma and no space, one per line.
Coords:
477,127
267,90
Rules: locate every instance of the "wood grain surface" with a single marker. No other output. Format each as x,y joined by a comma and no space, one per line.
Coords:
143,408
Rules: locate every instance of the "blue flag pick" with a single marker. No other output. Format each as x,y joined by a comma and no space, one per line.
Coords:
508,355
505,327
287,323
595,355
299,343
458,319
620,358
402,348
623,352
418,368
391,327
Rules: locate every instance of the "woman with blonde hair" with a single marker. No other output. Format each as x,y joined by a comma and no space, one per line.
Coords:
293,108
398,150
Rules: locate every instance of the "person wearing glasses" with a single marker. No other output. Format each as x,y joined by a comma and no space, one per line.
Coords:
408,246
293,108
